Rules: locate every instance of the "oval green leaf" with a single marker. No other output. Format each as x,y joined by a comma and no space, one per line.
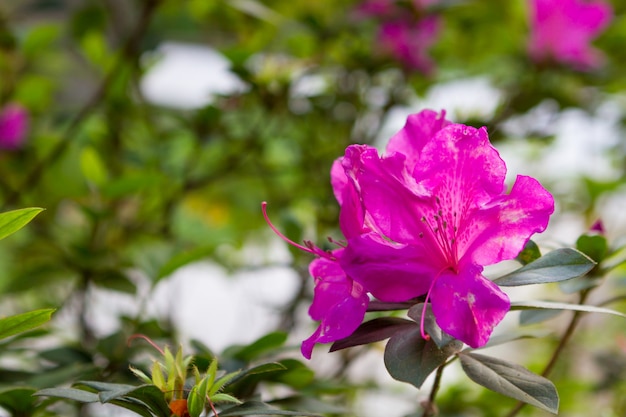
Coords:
511,380
410,358
558,265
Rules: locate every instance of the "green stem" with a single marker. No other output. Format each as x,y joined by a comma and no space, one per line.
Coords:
559,349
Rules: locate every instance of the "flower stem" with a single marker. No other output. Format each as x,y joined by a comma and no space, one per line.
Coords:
429,405
557,352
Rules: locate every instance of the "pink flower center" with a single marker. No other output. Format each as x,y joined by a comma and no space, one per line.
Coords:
443,227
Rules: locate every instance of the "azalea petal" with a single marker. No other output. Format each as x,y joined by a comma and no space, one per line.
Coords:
352,213
461,167
390,272
417,131
500,231
389,194
467,305
338,302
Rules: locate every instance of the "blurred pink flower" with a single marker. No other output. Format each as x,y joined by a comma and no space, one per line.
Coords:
406,32
13,126
563,30
409,42
423,4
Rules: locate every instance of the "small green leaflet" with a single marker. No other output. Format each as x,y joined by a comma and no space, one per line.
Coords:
558,265
12,221
10,326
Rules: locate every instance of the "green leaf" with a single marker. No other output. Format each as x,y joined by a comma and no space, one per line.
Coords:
549,305
73,394
153,398
140,374
196,401
10,326
266,343
511,380
371,331
220,383
225,398
410,358
252,408
594,246
12,221
529,254
558,265
18,401
297,375
438,336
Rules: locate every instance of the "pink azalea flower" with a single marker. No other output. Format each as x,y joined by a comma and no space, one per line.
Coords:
13,126
409,41
563,30
339,303
437,198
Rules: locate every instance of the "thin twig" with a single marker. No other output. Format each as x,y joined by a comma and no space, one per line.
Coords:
429,405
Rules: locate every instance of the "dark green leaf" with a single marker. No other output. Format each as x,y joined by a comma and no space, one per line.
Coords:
529,254
266,343
73,394
372,331
558,265
297,374
137,407
511,380
549,305
115,280
108,391
266,368
253,408
438,336
594,246
12,221
17,401
10,326
410,358
153,398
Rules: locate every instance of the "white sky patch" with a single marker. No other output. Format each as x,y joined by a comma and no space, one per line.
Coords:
464,98
188,76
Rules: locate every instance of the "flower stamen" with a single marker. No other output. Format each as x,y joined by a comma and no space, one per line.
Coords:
308,245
